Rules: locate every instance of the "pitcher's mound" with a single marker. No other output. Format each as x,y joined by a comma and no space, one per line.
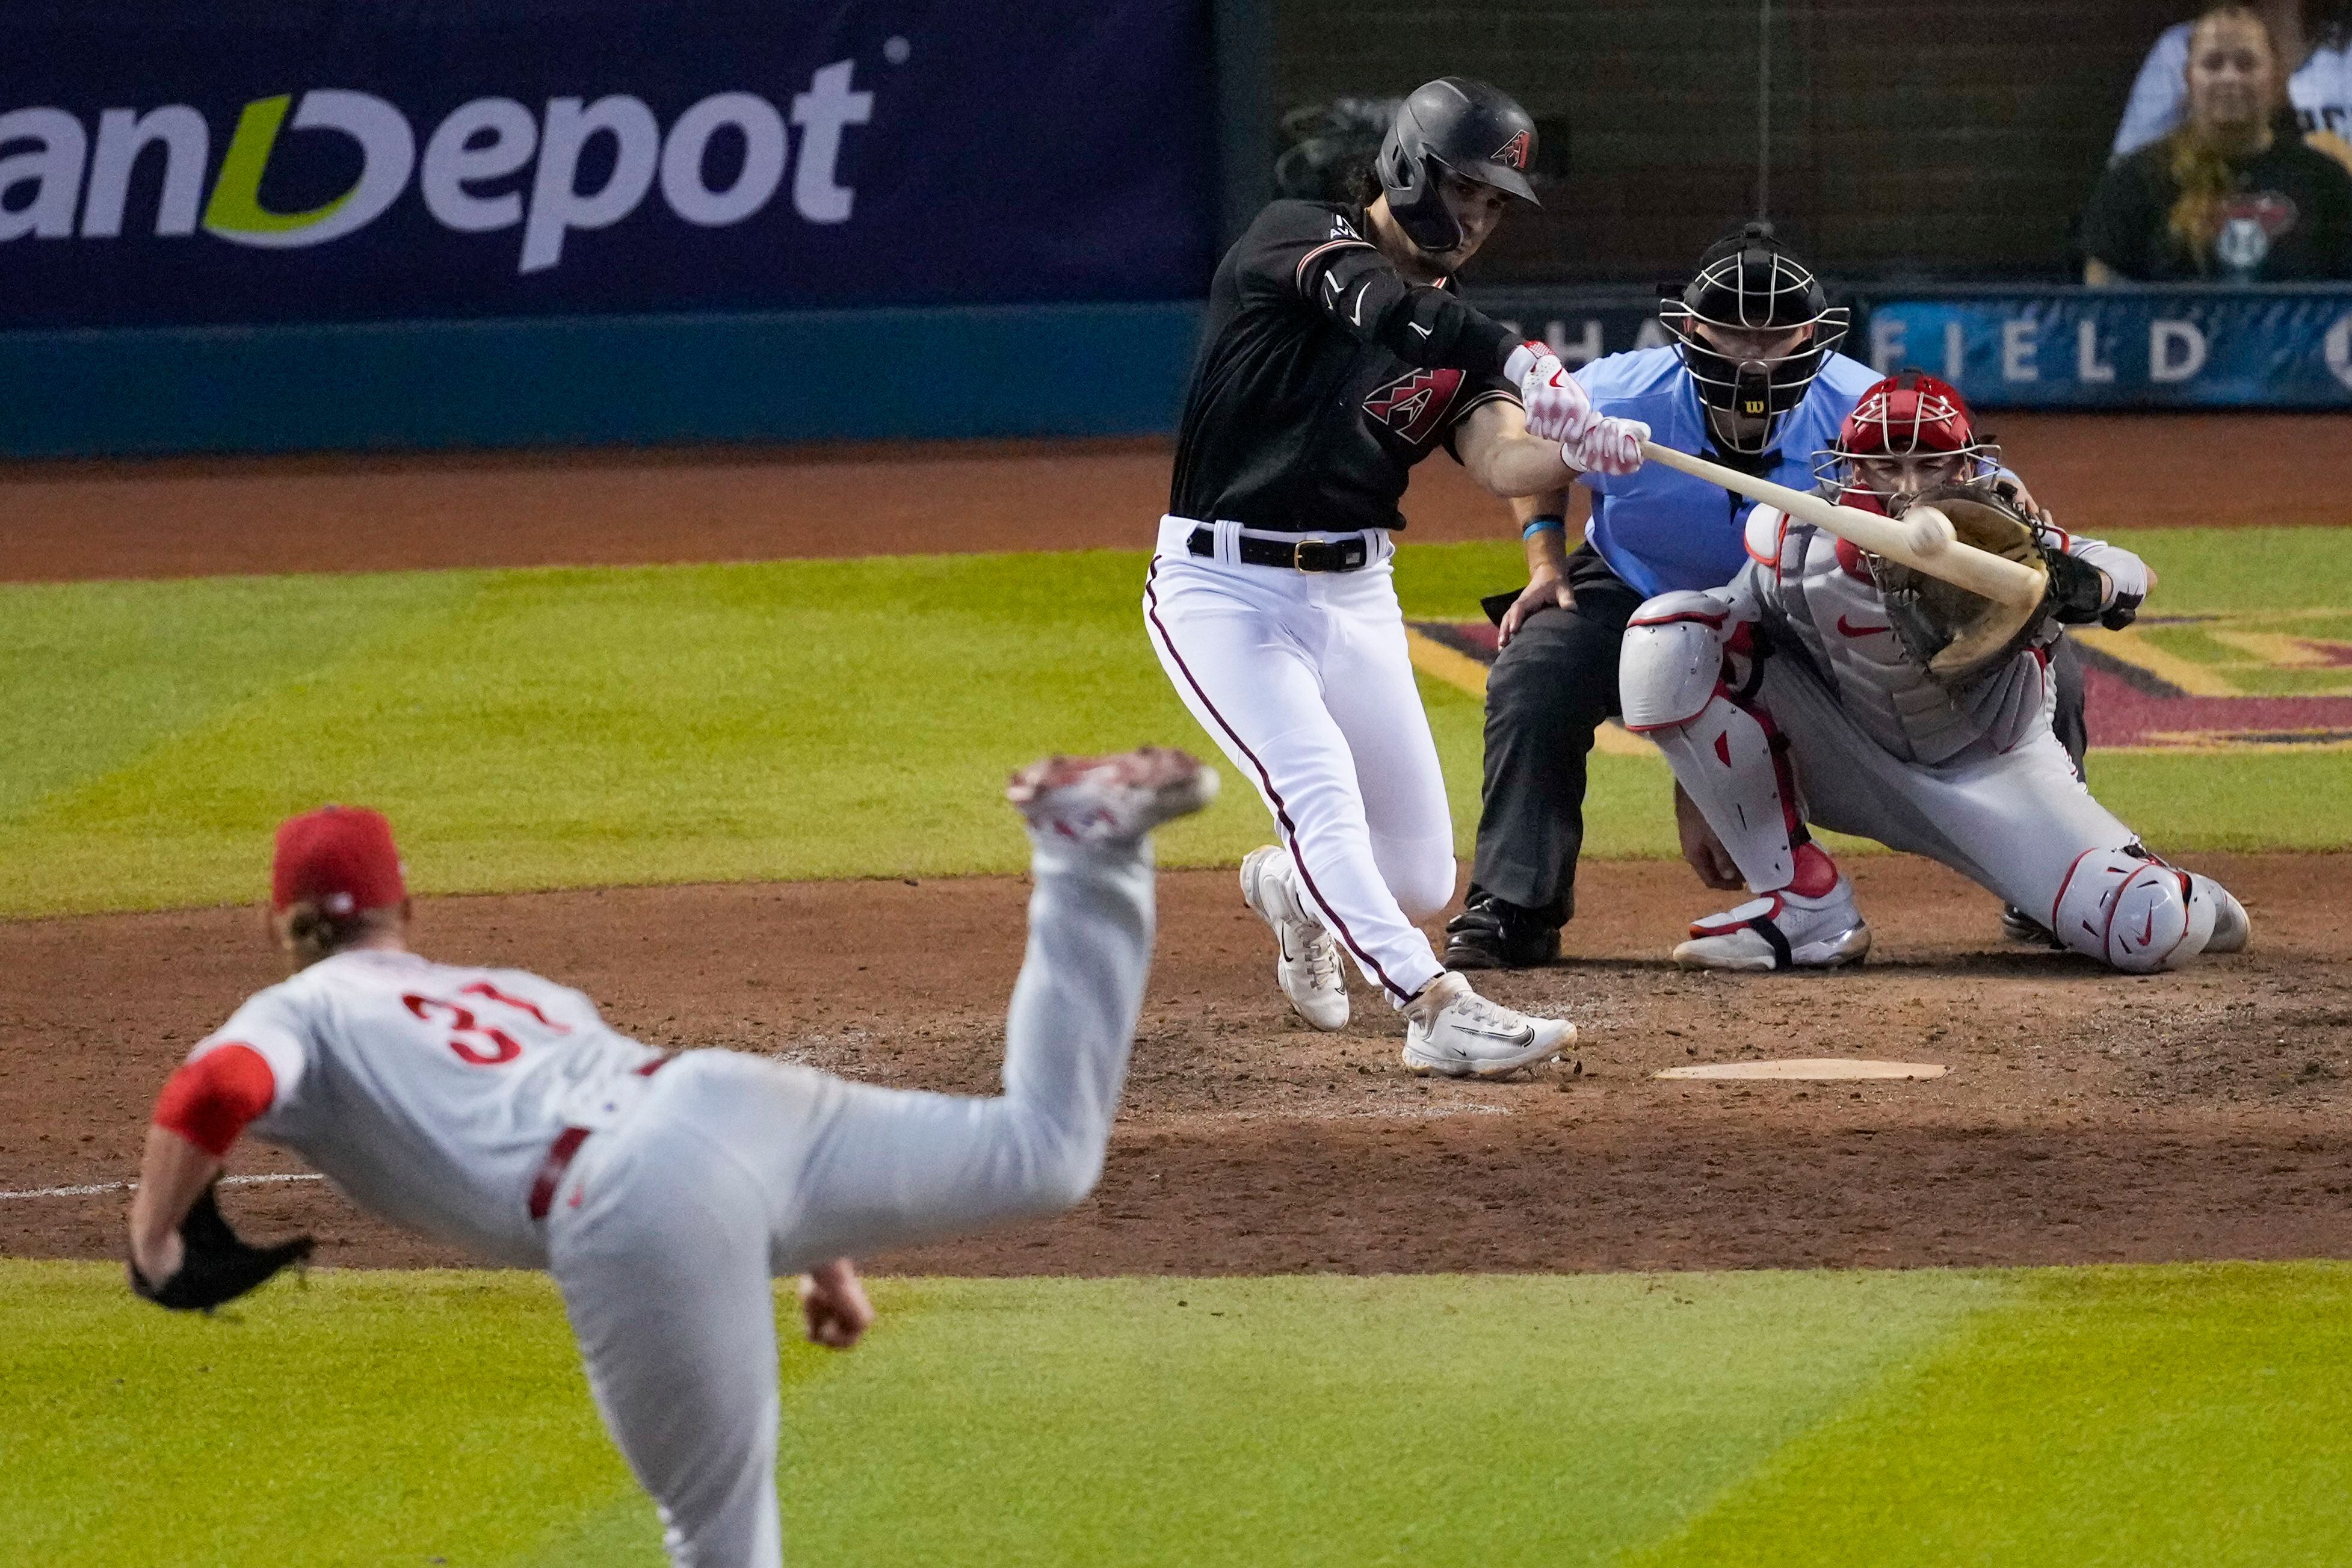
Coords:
1810,1070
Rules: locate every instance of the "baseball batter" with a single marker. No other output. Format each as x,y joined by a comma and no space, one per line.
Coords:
1824,685
497,1110
1336,356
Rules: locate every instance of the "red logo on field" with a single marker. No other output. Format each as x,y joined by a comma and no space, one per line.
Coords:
1512,153
1415,405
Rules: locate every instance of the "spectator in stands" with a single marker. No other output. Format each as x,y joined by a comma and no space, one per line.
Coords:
2224,196
2314,47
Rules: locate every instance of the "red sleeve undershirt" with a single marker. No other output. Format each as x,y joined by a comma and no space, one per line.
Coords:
209,1101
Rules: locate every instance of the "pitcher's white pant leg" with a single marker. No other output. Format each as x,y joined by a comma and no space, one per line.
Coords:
1372,695
664,1271
735,1167
891,1168
1243,667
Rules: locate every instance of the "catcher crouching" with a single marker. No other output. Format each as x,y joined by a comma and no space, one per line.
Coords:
1827,686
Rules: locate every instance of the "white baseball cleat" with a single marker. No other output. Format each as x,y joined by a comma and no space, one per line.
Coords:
1452,1032
2231,926
1307,966
1110,800
1780,930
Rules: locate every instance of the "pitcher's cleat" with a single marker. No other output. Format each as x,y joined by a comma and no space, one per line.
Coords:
1110,800
1780,930
1451,1031
1306,966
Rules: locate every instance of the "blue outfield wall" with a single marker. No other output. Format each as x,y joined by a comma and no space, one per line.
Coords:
2281,346
800,375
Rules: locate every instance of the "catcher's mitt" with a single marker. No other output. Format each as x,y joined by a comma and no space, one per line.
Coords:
1956,635
216,1266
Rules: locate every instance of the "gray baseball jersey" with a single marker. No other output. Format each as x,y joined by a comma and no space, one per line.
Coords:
429,1093
1813,592
433,1095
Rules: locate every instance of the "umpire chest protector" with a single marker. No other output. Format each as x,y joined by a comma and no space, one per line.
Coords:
1661,530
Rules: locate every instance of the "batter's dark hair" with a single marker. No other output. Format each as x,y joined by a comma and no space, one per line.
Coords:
1361,181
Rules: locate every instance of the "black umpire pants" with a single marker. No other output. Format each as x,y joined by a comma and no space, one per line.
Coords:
1552,688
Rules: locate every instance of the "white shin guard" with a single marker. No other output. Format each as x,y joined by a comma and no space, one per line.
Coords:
1670,685
2134,914
1725,761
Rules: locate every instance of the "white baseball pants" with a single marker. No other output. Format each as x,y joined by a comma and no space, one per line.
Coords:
2012,822
1303,680
667,1231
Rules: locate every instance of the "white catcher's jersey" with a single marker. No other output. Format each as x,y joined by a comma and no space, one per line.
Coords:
429,1094
1813,592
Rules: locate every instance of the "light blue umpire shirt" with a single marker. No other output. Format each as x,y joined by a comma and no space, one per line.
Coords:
1659,528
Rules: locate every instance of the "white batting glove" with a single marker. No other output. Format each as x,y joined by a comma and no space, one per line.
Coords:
1609,446
1556,407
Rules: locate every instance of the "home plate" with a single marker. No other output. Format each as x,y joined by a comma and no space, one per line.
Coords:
1809,1070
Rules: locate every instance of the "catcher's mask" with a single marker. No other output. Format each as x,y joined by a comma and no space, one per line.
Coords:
1452,125
1747,283
1910,414
1954,635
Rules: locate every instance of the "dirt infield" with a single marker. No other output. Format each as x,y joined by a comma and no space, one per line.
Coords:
2087,1117
67,521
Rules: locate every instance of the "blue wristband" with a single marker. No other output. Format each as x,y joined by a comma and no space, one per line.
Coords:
1539,524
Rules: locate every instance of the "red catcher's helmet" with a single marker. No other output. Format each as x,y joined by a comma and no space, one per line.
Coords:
1910,414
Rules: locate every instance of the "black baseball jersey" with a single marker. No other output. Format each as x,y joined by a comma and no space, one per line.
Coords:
1324,377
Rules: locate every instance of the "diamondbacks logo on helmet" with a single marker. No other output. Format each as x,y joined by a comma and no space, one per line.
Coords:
1414,405
1446,127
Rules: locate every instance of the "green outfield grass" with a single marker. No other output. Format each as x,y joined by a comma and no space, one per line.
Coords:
554,728
2126,1416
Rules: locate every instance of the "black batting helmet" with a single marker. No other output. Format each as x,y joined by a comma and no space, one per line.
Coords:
1458,125
1746,282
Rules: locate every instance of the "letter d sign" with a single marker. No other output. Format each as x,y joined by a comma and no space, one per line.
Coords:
387,154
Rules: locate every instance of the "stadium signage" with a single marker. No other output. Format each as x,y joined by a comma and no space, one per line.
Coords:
2284,347
491,164
250,162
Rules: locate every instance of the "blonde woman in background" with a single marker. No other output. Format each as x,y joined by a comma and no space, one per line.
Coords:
2314,48
2224,196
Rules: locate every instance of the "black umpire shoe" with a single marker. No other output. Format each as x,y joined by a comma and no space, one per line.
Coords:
2020,927
1491,934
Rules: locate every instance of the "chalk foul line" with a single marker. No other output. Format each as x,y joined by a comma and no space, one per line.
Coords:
126,1186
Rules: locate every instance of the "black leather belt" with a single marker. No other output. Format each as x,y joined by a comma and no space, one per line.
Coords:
1298,555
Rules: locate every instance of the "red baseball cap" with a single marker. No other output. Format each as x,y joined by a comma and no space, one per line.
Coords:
340,857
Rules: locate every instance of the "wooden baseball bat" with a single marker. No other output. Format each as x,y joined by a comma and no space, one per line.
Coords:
1921,539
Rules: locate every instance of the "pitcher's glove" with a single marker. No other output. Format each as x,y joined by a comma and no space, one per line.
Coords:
216,1265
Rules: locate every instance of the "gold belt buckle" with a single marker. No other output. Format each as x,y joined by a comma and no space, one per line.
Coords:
1298,555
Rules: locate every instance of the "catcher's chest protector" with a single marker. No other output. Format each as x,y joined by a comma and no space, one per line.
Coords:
1821,598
